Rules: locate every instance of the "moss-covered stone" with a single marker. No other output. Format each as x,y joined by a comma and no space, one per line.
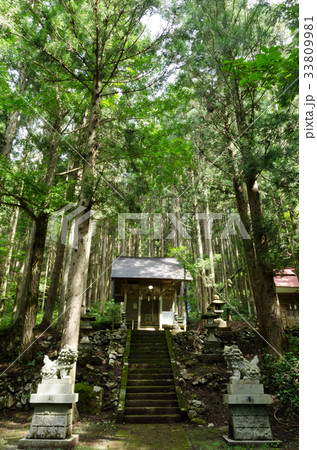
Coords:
179,394
124,380
90,398
199,421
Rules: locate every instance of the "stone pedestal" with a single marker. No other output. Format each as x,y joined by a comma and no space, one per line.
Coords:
212,352
52,418
248,420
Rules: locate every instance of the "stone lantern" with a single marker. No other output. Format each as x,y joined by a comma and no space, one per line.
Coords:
217,305
85,326
210,317
212,350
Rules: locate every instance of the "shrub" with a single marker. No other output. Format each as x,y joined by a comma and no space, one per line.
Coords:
111,311
280,377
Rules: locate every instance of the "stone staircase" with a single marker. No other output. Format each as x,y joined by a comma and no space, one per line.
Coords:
150,393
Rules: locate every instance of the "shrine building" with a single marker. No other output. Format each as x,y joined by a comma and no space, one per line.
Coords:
150,291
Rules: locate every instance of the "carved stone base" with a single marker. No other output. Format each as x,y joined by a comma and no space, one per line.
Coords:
51,422
248,418
249,423
52,418
49,443
253,443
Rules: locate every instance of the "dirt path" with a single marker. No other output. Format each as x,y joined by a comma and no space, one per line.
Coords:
105,435
97,432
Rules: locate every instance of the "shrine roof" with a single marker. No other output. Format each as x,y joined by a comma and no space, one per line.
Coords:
151,268
286,278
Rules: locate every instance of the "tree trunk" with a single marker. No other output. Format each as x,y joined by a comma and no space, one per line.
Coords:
47,268
267,305
75,286
270,324
164,227
11,127
62,300
256,248
224,272
6,271
59,257
151,231
27,319
209,250
52,292
79,256
85,297
102,284
26,273
200,251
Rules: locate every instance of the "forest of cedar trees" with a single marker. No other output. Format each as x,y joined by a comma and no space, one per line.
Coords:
170,109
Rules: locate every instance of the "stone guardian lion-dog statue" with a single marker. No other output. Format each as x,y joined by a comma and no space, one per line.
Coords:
240,366
61,366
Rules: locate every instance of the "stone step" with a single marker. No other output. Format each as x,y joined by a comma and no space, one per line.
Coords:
149,357
148,339
150,393
148,396
151,410
153,365
150,363
148,333
150,370
149,382
150,351
150,376
145,340
149,348
151,402
173,418
149,389
155,368
149,343
142,351
152,355
148,336
154,347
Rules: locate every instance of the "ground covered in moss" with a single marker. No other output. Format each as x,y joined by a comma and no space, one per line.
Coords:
100,432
